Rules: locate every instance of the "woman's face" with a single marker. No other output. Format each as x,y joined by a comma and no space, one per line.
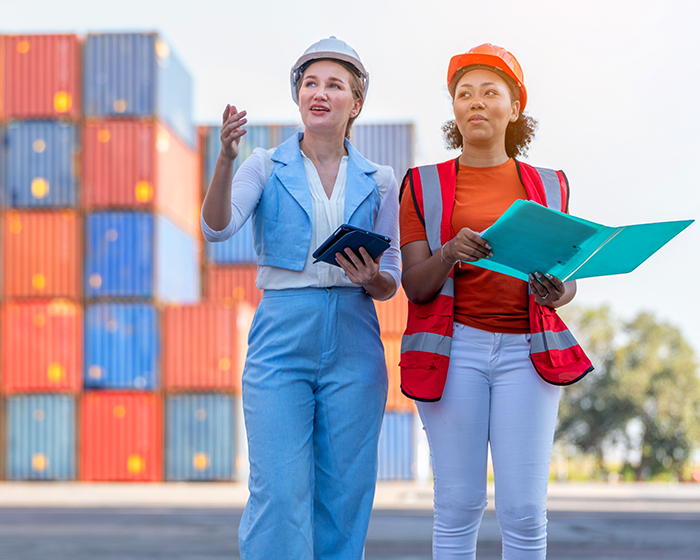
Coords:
326,102
483,108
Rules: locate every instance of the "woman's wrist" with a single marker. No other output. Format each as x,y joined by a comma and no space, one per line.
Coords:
446,258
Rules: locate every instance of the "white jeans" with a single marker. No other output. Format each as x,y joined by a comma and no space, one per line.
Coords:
494,396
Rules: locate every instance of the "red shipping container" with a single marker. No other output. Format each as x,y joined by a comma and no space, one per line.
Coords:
137,164
42,254
42,346
393,314
228,285
122,437
43,77
3,41
204,346
395,400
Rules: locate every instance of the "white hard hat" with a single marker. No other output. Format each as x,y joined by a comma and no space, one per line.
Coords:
334,49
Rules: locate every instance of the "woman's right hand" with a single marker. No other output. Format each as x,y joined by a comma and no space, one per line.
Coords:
231,131
467,246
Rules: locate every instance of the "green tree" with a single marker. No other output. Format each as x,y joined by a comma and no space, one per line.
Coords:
643,397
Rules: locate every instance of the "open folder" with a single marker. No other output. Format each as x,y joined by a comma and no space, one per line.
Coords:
529,237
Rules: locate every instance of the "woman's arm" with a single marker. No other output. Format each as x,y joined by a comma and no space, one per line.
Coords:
216,210
424,273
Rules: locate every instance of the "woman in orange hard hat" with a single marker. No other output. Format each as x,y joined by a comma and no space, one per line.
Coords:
466,351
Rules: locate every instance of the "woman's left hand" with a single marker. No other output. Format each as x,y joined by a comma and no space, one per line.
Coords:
548,289
358,272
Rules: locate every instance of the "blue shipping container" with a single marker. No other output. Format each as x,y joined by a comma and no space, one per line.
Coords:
396,447
40,437
3,148
199,437
122,346
41,164
386,144
137,75
139,255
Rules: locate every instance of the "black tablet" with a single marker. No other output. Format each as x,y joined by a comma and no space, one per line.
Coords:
350,236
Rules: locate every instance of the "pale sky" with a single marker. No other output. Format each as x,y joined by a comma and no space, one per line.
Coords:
612,82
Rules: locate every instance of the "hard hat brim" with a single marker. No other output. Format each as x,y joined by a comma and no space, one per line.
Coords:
460,61
305,59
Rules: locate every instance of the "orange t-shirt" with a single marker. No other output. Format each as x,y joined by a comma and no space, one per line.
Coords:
484,299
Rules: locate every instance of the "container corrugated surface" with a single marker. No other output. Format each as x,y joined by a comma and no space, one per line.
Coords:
386,144
119,167
42,346
178,262
40,437
227,285
139,165
119,259
122,346
177,191
199,441
3,79
137,75
122,437
43,76
42,164
395,400
139,255
393,314
396,447
205,345
42,254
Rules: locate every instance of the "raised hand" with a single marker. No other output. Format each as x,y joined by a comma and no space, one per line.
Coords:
232,131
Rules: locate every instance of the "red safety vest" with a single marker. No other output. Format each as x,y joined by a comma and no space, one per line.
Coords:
426,343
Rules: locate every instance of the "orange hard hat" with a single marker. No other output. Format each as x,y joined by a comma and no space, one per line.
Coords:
489,56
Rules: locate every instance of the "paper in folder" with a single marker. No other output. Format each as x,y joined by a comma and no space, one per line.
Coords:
529,237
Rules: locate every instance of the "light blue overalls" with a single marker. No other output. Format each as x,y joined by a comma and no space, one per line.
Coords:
314,384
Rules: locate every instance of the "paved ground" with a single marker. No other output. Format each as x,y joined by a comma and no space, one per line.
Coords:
199,521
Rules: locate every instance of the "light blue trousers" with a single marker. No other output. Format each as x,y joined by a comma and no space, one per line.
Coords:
494,396
314,391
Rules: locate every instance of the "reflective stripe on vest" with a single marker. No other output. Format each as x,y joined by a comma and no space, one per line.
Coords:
426,342
552,187
550,340
432,205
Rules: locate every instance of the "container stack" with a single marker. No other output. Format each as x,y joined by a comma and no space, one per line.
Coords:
42,238
141,200
112,366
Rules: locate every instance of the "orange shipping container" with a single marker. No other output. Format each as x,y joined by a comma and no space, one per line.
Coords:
139,164
122,437
204,346
392,314
42,254
42,346
395,400
227,285
43,77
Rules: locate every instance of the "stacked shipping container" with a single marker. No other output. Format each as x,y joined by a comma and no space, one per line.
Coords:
41,331
102,176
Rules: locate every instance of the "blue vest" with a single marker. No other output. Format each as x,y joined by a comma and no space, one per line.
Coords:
282,219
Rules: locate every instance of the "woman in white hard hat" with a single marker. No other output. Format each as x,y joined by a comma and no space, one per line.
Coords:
473,346
315,380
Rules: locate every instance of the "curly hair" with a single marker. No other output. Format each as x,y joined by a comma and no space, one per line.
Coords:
519,134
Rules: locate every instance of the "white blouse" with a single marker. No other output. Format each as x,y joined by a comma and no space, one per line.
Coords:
327,215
